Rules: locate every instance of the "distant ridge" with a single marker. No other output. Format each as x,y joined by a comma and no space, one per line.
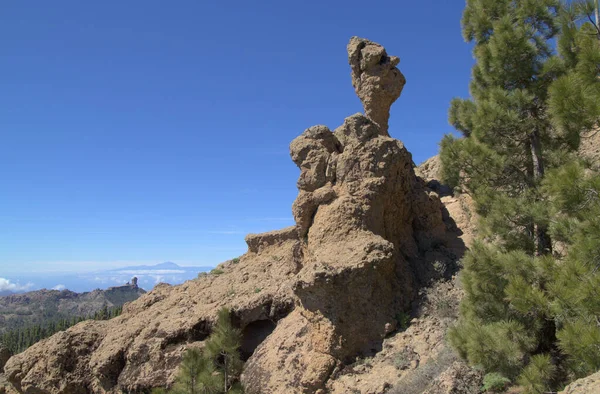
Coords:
148,276
168,265
22,309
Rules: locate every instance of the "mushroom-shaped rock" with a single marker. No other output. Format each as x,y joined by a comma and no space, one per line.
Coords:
376,80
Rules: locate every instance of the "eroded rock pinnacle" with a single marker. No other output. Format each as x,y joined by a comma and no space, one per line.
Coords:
376,80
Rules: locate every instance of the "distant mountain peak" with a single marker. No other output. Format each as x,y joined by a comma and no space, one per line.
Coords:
167,265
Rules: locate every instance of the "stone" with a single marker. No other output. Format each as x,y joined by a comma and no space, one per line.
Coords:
376,80
587,385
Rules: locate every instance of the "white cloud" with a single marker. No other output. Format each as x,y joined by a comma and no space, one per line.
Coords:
118,280
59,287
150,272
7,285
83,266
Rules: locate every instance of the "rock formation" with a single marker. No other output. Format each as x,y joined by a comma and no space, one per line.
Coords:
458,206
589,384
376,80
310,298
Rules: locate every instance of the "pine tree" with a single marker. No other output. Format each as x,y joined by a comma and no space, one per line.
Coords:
19,339
520,125
502,160
217,368
197,375
575,96
574,191
223,348
575,289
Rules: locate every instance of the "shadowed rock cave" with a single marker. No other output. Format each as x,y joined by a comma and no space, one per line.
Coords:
253,335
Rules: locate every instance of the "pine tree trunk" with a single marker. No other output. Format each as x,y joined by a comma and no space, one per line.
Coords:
225,373
543,246
543,243
597,16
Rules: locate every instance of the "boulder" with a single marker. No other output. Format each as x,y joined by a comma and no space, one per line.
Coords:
587,385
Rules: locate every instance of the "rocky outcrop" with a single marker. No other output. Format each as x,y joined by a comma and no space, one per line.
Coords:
257,242
458,206
416,358
376,80
309,299
587,385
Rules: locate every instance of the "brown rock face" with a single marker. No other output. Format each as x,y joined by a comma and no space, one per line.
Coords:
459,207
363,221
587,385
310,298
376,80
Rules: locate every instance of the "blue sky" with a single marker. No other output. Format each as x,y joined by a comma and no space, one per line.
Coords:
138,132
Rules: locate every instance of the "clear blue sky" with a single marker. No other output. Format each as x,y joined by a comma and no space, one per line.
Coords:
147,131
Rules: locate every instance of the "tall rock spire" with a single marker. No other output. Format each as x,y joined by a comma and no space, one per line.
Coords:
376,80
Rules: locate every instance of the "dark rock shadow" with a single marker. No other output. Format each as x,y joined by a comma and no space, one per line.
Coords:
253,335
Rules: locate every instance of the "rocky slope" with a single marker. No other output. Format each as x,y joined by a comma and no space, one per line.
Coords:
19,310
310,299
460,207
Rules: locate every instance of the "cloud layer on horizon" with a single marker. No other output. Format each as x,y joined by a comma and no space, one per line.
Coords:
7,285
148,277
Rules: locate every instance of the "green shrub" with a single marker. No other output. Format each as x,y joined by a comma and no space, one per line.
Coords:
402,360
235,260
402,320
536,377
495,382
366,361
217,271
444,308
